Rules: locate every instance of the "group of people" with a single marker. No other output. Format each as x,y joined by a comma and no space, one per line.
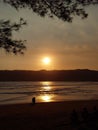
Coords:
85,120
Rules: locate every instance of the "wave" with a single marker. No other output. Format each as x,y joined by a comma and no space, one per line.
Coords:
22,91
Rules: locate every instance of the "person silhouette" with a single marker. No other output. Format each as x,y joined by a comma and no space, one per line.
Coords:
33,100
85,114
95,114
74,118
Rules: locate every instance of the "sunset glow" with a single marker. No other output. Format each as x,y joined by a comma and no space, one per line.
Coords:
46,60
52,44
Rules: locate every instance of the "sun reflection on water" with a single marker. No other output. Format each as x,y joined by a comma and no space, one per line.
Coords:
46,83
46,98
46,90
46,86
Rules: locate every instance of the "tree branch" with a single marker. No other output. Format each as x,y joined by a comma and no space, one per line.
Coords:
6,33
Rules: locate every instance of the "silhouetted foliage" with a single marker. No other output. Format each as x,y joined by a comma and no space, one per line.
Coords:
6,41
62,9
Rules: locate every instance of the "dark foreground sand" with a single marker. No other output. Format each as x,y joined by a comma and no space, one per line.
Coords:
48,116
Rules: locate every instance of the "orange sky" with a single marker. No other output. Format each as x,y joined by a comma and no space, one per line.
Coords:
69,45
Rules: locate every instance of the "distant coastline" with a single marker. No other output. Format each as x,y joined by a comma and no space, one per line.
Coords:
49,75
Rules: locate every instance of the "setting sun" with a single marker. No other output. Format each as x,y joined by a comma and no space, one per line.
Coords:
46,60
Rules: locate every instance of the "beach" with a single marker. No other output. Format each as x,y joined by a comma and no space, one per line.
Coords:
44,116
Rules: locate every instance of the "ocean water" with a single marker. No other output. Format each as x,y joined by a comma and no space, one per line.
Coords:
23,92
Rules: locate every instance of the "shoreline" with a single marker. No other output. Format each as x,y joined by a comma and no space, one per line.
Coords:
41,116
52,102
59,105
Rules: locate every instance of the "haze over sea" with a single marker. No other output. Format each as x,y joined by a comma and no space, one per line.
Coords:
23,92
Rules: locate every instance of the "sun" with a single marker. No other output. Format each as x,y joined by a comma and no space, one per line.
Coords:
46,60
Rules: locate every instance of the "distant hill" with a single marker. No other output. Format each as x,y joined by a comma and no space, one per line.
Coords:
53,75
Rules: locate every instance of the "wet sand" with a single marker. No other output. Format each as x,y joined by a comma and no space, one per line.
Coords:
42,116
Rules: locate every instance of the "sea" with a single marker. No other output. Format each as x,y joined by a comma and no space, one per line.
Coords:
23,92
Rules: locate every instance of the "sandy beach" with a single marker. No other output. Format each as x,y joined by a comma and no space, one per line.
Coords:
46,116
